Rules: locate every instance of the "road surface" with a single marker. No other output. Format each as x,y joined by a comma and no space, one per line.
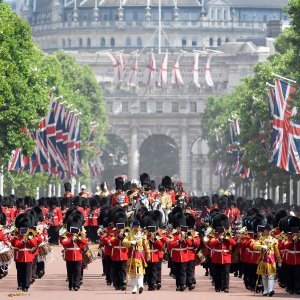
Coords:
53,286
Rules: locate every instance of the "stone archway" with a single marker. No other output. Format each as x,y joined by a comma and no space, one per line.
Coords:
115,158
159,156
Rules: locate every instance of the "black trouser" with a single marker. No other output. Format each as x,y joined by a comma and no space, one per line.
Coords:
180,272
293,277
190,273
40,268
119,271
153,273
53,233
107,268
24,270
34,267
282,276
74,272
221,276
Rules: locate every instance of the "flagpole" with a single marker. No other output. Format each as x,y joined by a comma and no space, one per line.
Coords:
283,78
159,26
270,85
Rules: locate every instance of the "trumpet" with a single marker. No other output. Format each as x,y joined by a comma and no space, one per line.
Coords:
191,234
226,235
126,231
81,235
30,234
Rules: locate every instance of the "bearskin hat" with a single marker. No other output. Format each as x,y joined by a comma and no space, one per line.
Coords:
54,201
77,201
94,203
279,215
39,213
220,220
68,187
167,182
145,179
105,216
152,185
178,220
253,211
119,182
286,223
190,220
20,203
65,202
22,220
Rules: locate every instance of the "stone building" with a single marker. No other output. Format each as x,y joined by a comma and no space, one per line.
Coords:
158,129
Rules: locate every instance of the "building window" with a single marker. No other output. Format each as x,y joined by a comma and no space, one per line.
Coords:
143,107
219,42
225,15
212,14
211,42
109,107
183,42
102,42
112,42
128,42
69,42
193,107
219,14
63,42
175,108
226,40
89,42
194,41
139,42
125,107
265,18
159,107
80,42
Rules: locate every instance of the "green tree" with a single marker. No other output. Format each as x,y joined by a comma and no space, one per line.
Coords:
23,94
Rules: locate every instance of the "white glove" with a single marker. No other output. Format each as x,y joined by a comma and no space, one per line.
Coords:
279,265
133,242
265,247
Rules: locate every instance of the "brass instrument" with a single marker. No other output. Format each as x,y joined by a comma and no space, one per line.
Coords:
281,236
30,234
209,232
296,237
191,234
125,231
226,235
81,235
62,231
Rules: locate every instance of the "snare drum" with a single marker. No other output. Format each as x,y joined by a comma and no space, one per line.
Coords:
88,256
6,254
44,249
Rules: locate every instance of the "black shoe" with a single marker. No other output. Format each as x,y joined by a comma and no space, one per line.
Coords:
117,288
123,288
141,290
151,288
182,288
240,275
133,292
218,290
158,286
70,289
76,288
271,293
80,283
297,292
235,274
226,290
108,283
191,287
25,290
291,292
19,288
206,273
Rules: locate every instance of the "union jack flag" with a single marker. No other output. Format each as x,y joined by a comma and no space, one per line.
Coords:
286,132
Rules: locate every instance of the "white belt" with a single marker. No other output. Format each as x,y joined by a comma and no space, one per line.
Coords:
119,247
72,249
55,217
154,250
190,248
216,250
26,249
179,249
248,250
292,252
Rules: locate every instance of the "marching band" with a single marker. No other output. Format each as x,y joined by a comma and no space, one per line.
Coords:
138,228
